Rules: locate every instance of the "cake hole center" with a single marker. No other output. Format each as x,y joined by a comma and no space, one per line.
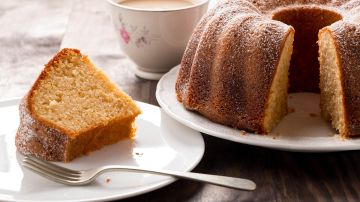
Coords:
304,66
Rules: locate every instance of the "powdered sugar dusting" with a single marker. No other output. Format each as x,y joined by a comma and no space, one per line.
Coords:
234,45
347,40
36,139
270,5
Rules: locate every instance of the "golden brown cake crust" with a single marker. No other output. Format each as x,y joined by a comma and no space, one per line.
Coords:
41,138
35,138
346,35
63,53
231,58
216,86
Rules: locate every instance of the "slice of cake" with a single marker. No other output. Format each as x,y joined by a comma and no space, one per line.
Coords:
73,109
332,94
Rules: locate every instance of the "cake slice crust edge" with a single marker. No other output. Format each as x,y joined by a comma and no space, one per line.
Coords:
276,107
47,140
331,86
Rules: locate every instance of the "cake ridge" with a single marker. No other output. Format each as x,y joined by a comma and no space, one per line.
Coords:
214,74
349,59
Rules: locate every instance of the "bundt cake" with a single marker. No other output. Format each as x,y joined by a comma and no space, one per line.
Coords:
245,56
73,109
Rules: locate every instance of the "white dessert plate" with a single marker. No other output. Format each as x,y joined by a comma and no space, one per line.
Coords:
160,142
303,130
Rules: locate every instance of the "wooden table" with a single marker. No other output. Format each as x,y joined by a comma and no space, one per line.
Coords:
32,31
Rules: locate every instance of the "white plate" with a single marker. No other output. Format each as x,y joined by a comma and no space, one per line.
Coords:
160,142
304,130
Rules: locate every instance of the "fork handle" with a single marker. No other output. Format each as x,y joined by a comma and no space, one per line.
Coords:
230,182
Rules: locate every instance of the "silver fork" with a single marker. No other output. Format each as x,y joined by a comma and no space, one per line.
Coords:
82,177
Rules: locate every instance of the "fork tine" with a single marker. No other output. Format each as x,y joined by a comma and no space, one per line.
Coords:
45,169
53,166
47,175
47,163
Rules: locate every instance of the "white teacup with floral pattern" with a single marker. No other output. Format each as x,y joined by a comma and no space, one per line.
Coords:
155,40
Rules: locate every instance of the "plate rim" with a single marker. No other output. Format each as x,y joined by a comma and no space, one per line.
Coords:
239,139
169,180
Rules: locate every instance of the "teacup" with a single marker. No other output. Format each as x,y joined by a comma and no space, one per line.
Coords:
155,39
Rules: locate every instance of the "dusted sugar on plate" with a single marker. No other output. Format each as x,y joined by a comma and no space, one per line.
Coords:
73,109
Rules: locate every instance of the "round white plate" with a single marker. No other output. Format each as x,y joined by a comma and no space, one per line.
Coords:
160,142
303,130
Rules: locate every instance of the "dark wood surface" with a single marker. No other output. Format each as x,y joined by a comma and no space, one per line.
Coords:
32,31
279,175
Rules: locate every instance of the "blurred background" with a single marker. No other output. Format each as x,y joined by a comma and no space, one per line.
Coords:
33,31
